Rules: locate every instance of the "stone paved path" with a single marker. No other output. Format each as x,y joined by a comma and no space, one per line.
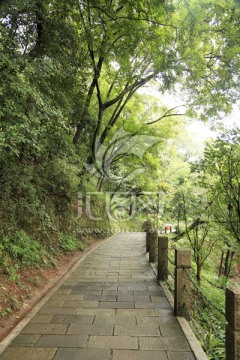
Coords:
110,308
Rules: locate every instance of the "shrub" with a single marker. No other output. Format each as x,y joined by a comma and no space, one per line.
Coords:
70,243
24,249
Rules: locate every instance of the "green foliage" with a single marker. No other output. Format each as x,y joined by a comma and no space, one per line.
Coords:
60,183
221,173
93,220
214,347
70,243
10,269
23,249
70,80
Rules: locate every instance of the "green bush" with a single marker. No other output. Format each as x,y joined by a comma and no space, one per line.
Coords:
70,243
24,249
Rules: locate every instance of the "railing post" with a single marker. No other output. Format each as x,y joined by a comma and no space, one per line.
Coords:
153,236
182,281
162,257
233,326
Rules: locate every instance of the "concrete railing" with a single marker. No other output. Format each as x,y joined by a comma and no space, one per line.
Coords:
233,323
158,248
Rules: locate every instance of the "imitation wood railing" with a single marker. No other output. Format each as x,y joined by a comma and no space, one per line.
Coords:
185,286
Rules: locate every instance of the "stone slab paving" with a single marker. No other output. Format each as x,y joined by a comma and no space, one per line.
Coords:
110,308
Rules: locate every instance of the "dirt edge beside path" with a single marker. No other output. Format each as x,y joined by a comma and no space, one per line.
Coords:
49,278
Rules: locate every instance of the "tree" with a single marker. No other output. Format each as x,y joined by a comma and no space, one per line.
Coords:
133,43
125,47
102,54
221,173
38,77
199,227
71,74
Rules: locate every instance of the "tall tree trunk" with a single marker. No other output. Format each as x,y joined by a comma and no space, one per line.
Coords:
199,270
229,264
220,269
226,264
93,85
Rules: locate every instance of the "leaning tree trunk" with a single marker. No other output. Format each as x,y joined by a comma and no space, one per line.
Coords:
220,269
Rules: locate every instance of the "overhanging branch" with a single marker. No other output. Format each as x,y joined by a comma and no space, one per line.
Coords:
166,114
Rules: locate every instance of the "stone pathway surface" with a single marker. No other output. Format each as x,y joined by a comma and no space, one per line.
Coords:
110,308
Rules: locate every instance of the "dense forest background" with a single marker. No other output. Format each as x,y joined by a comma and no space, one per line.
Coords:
88,143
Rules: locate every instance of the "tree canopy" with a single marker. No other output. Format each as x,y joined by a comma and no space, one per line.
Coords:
221,173
80,63
77,110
